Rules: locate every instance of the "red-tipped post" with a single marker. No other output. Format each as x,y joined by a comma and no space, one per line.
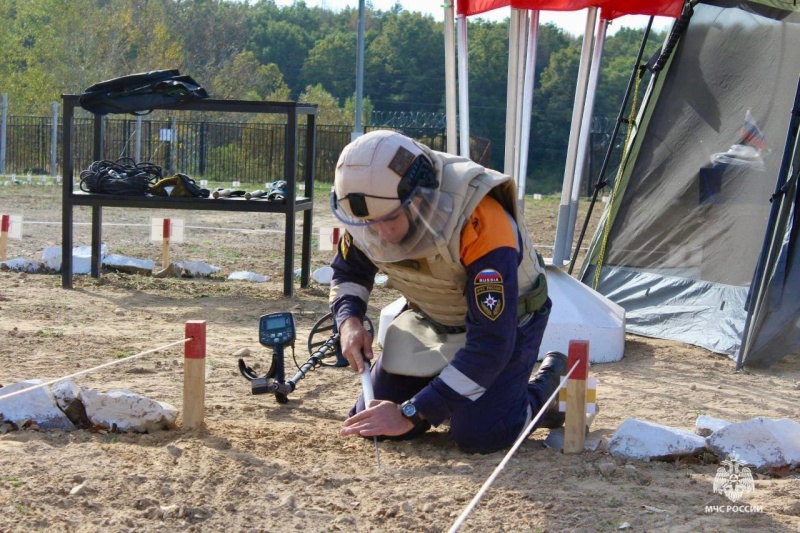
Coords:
5,225
575,424
194,375
165,244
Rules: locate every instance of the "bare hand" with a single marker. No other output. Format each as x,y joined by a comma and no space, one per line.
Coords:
382,417
356,343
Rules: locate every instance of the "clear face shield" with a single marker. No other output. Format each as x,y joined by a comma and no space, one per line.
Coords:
394,228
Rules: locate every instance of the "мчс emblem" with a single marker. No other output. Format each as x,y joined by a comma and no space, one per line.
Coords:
489,293
733,479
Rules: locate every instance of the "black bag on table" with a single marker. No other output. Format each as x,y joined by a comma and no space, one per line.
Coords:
141,93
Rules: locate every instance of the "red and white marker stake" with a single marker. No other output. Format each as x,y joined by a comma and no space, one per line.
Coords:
5,224
575,424
194,375
165,244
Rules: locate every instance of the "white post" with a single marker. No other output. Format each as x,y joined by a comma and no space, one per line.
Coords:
586,132
451,100
572,148
463,85
358,130
512,112
527,104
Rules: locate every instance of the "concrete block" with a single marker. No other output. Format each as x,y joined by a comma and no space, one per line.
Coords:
759,442
637,439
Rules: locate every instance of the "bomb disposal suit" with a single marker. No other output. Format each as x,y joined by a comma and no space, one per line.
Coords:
466,344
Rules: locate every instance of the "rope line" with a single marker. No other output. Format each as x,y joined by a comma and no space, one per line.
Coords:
612,200
104,365
524,435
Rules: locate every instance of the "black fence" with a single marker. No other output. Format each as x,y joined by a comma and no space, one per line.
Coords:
248,152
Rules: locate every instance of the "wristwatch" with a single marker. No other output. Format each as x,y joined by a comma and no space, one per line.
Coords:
409,410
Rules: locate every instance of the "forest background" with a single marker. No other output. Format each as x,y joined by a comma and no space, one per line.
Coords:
261,51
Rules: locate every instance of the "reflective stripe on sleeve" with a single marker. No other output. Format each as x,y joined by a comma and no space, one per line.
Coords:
460,383
348,289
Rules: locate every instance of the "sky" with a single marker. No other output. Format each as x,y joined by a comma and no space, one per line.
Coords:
571,22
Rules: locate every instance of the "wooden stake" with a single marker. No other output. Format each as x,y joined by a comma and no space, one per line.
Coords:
165,244
194,375
5,224
575,424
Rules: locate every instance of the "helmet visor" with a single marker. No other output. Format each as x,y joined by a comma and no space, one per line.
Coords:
409,231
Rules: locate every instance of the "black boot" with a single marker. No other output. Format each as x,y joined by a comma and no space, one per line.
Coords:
544,383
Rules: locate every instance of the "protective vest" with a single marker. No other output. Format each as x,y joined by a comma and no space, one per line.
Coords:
435,285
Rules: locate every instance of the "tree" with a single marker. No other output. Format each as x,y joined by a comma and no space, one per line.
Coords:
245,78
328,110
328,66
404,63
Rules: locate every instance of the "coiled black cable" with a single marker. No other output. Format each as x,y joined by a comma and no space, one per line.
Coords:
122,177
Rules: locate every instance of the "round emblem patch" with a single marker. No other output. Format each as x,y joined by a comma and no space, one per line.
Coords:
489,293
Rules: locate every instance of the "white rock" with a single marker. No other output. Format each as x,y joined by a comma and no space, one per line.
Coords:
129,264
21,265
197,269
706,425
128,411
248,276
65,392
37,405
81,258
637,439
759,442
323,275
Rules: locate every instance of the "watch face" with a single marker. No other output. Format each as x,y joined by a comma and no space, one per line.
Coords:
409,409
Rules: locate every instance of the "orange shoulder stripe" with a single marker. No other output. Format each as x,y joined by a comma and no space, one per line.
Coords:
488,228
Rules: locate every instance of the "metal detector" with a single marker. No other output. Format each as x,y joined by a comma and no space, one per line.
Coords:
276,331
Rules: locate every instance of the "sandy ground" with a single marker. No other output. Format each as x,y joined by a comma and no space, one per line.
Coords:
262,466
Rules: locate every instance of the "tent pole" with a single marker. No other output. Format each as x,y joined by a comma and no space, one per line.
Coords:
601,181
755,295
585,133
463,85
580,97
527,104
358,130
450,79
512,91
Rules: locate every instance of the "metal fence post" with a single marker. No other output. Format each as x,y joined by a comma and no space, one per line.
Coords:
173,144
54,142
3,137
138,157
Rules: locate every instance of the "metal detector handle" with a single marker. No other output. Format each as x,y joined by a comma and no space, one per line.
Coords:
366,383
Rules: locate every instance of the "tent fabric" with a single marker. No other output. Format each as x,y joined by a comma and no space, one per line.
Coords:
689,218
775,327
609,9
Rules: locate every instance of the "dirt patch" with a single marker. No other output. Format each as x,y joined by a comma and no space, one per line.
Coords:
261,466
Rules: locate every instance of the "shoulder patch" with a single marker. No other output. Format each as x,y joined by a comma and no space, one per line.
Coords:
344,244
489,296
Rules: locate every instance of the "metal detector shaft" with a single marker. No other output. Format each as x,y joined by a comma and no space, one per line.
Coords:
315,360
369,395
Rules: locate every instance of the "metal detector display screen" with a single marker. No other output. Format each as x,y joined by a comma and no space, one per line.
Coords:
276,328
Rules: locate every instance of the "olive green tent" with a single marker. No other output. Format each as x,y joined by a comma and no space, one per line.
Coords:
699,242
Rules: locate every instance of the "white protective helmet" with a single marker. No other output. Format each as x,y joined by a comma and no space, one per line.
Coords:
379,175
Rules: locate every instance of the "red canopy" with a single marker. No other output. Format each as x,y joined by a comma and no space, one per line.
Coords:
609,9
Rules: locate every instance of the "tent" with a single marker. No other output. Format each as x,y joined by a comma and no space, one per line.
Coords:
699,242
